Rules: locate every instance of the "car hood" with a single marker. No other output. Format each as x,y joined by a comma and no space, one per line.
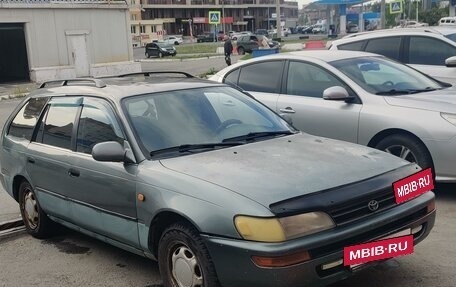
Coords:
439,101
274,170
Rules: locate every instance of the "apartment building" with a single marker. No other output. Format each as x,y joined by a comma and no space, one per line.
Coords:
153,19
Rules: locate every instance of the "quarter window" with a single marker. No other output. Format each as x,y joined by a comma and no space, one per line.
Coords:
232,77
262,77
24,123
58,126
429,51
355,46
388,47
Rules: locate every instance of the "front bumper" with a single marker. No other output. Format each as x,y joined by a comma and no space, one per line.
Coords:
232,258
444,158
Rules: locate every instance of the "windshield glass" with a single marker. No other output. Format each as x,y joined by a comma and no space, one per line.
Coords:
381,76
452,37
210,115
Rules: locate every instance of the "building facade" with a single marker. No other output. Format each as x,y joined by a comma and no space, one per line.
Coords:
153,19
56,39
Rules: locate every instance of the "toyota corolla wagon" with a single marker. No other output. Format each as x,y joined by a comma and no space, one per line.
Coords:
201,177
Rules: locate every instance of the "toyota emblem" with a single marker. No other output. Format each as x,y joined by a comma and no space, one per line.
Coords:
373,205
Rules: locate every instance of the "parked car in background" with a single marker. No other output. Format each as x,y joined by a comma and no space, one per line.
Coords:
447,21
262,32
236,35
358,97
206,37
411,24
159,49
431,50
202,178
307,29
247,43
173,40
352,28
319,29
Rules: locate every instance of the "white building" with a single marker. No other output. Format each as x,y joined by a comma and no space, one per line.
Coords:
55,39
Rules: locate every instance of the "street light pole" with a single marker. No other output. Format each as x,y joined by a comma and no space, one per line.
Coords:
278,21
223,17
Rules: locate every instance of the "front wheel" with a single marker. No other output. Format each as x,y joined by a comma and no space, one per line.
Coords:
184,259
160,55
36,222
407,148
147,55
241,51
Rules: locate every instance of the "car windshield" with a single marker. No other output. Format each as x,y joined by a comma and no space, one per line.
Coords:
200,119
452,37
163,44
381,76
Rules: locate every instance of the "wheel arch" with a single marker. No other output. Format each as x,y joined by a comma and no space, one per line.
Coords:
18,179
389,132
160,222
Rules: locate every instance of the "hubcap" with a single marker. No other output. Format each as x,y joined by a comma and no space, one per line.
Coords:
402,152
186,269
31,209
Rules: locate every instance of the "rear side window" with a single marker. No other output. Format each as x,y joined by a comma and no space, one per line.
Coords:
429,51
388,47
261,77
24,123
355,46
58,125
232,78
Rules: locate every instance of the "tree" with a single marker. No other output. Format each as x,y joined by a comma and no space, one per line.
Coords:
432,16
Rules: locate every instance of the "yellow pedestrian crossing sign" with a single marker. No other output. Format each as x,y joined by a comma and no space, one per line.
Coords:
396,7
214,17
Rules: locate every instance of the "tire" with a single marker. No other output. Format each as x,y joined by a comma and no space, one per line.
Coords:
182,253
147,55
176,43
241,51
36,221
160,54
408,148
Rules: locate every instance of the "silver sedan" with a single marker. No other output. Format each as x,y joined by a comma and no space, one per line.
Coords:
358,97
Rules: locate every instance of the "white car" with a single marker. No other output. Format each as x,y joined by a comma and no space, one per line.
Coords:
358,97
173,40
431,50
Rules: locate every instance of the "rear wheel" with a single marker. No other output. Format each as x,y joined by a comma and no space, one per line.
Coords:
408,148
147,55
241,51
160,54
37,223
184,259
176,43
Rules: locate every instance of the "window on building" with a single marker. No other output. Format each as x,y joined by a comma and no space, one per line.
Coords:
153,28
143,29
133,29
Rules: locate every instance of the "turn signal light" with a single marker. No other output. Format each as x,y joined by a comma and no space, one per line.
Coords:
431,206
281,261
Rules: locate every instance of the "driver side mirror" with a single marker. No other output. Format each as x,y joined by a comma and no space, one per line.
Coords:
451,62
111,152
337,93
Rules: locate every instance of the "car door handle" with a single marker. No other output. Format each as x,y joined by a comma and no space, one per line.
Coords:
73,172
30,159
287,110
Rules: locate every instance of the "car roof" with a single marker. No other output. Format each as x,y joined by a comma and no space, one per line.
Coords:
436,31
118,87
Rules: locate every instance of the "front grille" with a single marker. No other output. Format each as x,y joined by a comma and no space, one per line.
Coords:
356,209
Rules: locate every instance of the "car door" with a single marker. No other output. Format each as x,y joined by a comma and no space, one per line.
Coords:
428,55
303,101
263,80
50,158
104,196
153,49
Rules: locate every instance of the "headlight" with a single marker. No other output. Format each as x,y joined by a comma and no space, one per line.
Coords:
163,49
449,117
281,229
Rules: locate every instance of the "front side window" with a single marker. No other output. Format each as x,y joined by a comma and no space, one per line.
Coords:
388,47
97,124
58,125
355,46
381,76
261,77
305,79
24,123
429,51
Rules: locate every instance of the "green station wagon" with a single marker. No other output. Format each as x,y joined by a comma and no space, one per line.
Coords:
216,187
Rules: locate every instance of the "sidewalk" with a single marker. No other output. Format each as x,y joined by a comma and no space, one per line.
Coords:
15,90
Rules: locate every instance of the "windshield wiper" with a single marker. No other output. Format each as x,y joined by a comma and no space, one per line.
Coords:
190,147
405,92
255,135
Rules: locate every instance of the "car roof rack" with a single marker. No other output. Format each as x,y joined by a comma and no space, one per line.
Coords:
147,74
96,82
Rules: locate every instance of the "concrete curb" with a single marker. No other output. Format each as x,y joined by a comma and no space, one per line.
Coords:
11,228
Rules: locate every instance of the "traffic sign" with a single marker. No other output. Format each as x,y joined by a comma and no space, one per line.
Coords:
214,17
396,7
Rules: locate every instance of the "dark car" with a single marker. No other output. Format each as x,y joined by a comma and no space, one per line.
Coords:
206,37
157,49
217,187
263,32
247,43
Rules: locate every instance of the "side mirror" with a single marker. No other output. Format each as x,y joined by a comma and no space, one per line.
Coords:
111,151
451,62
336,93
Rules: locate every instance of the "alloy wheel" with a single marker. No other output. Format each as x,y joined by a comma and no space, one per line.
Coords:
185,268
31,209
402,152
